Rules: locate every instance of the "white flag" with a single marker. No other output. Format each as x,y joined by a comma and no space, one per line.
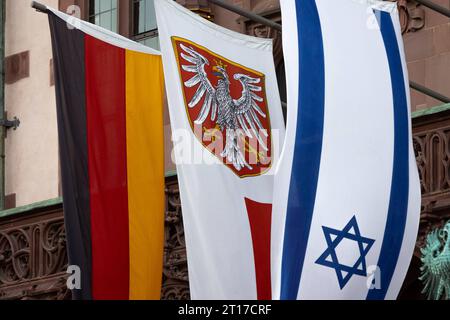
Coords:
347,195
227,125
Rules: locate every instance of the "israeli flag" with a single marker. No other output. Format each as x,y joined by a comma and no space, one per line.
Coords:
347,199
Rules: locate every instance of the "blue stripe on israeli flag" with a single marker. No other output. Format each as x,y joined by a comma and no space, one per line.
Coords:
347,193
398,205
308,149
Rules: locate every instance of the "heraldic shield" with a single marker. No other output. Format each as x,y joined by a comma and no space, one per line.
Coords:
226,105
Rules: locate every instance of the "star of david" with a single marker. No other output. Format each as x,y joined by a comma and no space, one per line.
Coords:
330,259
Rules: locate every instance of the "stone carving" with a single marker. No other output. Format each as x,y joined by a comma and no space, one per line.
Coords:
432,149
33,257
412,15
433,158
33,250
175,273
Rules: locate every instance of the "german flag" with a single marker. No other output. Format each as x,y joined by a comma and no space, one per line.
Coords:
109,93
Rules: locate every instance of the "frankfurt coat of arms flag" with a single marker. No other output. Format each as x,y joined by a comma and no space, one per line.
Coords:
109,94
227,125
348,170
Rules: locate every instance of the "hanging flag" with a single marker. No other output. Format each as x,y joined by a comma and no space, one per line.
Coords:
109,93
347,190
227,125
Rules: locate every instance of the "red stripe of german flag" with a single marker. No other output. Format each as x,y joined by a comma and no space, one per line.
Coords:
110,123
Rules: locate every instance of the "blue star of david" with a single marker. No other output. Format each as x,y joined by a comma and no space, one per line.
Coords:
329,257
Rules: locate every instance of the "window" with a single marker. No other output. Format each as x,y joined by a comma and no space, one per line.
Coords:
104,13
144,23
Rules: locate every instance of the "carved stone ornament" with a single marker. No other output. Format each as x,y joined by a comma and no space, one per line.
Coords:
412,15
432,149
175,272
33,258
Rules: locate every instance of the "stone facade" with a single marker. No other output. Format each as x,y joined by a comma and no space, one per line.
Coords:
32,173
427,45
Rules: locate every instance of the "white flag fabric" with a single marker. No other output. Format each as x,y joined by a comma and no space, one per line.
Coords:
227,124
347,195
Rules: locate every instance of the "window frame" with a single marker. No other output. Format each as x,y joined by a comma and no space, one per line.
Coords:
135,35
91,15
125,20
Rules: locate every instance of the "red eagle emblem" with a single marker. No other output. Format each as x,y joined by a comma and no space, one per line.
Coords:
226,106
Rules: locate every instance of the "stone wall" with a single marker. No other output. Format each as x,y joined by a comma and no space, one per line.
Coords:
428,54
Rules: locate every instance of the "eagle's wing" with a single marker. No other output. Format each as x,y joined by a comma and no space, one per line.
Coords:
205,88
248,112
